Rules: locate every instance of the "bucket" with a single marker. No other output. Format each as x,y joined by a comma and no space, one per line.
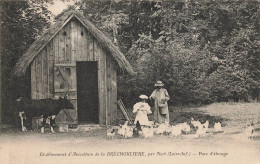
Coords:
63,128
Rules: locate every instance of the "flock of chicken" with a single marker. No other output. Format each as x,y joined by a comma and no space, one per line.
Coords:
163,129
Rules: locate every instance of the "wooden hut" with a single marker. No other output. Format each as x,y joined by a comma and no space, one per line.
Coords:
74,58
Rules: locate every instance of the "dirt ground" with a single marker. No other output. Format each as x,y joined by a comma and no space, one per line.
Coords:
231,146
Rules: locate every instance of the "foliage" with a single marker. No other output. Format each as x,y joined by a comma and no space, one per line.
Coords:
204,51
21,23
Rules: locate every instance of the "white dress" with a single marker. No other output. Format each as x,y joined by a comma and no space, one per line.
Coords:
142,109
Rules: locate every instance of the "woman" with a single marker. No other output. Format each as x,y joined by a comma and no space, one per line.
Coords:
142,109
160,97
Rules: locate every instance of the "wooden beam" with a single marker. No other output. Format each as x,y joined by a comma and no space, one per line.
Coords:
65,65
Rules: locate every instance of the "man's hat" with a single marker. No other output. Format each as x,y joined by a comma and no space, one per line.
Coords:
159,83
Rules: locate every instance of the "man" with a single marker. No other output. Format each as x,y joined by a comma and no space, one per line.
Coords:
160,97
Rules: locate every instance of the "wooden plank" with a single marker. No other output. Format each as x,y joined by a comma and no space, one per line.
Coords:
61,47
100,88
105,85
38,76
124,111
89,45
108,75
73,41
45,73
81,38
41,76
33,80
66,65
87,42
48,56
73,78
82,57
68,43
113,93
77,41
56,47
50,53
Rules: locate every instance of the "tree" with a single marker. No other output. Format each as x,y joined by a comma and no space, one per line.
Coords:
21,23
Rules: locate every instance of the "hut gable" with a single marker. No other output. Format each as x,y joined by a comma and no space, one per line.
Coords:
47,37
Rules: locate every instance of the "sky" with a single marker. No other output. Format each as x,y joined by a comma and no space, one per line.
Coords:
59,6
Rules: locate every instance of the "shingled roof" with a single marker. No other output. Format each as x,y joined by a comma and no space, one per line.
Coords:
45,38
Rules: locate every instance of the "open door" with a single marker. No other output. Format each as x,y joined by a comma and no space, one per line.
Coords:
87,92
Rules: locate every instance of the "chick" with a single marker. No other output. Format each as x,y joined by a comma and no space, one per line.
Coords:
122,129
249,129
111,133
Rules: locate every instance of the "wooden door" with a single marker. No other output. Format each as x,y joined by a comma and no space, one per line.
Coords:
87,92
65,82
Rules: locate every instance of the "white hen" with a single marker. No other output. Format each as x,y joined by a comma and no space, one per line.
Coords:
129,133
206,125
161,129
200,132
147,132
185,127
196,124
217,127
176,130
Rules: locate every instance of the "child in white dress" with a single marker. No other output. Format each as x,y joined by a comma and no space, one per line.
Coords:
142,109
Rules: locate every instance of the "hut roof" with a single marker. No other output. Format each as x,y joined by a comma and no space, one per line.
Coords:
44,39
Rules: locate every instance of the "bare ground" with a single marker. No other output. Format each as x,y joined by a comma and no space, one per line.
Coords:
26,147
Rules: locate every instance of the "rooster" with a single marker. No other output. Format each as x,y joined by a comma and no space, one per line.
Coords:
137,130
